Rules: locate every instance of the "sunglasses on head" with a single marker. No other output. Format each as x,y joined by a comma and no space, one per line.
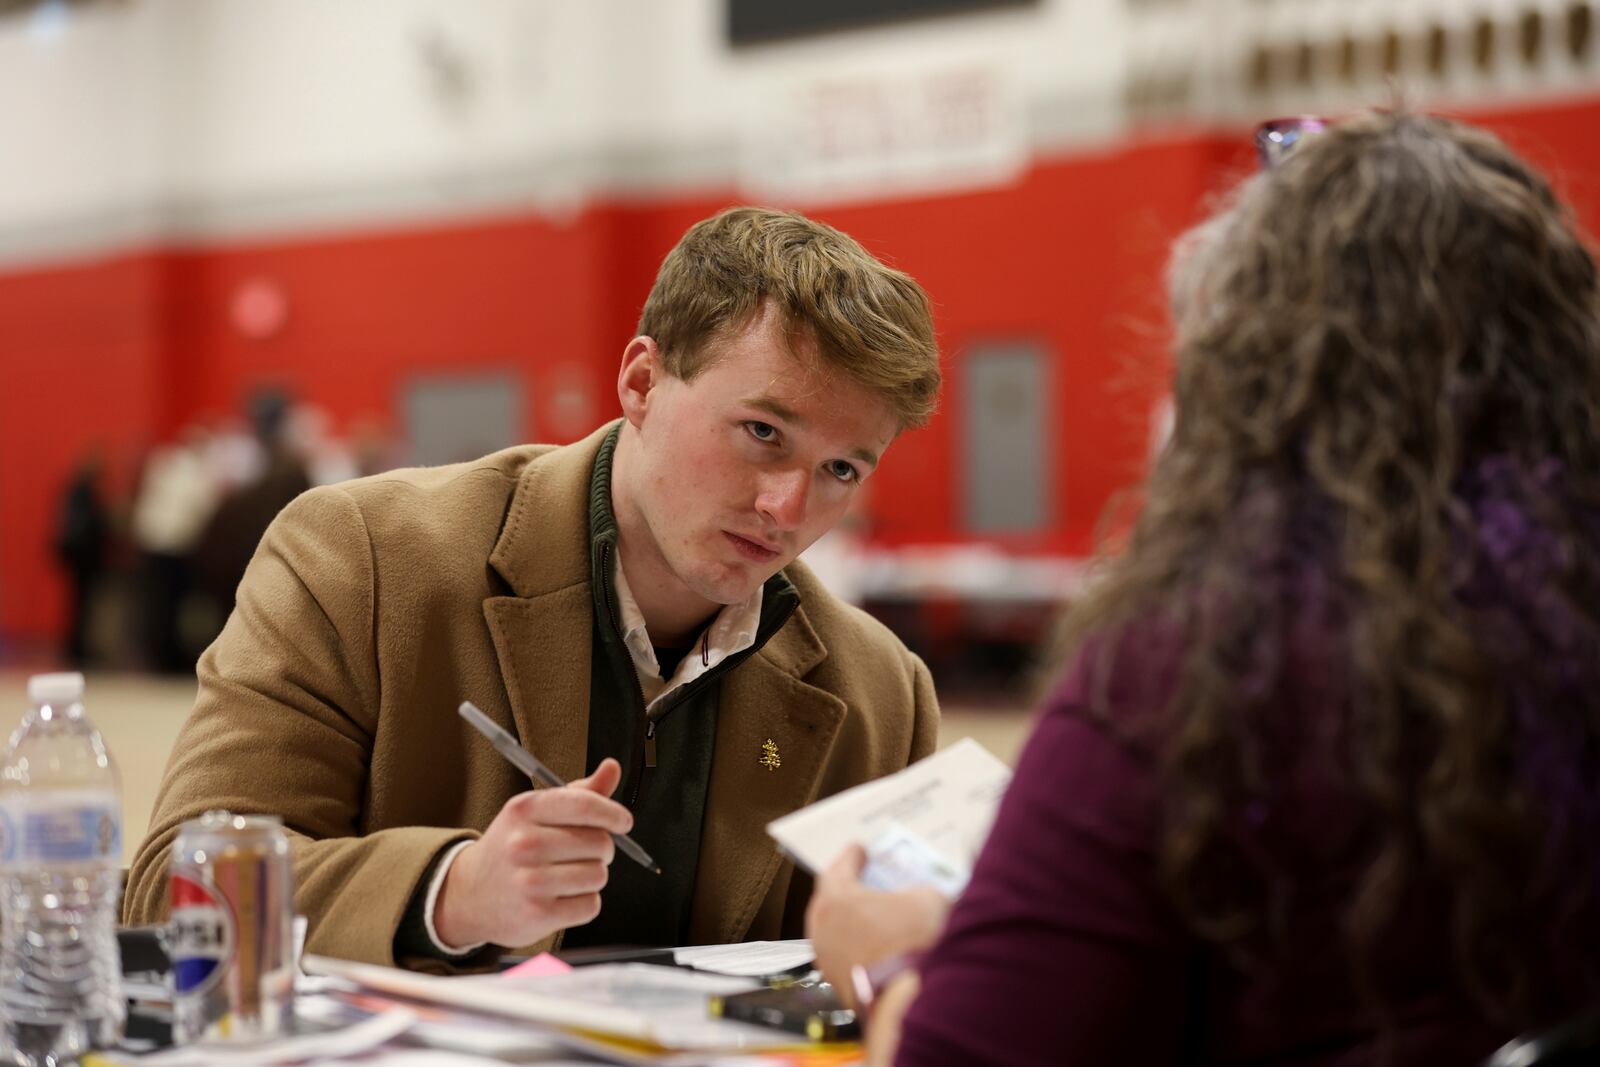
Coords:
1276,138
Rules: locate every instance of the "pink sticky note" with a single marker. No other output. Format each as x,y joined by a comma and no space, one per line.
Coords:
542,964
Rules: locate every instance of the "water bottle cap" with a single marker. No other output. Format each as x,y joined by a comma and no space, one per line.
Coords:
56,689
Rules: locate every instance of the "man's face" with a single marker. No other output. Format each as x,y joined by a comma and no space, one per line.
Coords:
740,469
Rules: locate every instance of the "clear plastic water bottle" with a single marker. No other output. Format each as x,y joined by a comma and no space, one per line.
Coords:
60,861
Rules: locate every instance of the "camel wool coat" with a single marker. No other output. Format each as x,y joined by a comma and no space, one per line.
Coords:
373,608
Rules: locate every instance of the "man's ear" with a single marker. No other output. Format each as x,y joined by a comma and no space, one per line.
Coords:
641,371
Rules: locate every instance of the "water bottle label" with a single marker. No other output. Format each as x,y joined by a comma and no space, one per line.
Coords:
200,935
46,830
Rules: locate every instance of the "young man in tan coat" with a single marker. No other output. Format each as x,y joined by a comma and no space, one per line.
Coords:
628,606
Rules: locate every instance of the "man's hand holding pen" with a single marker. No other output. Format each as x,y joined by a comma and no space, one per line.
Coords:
538,868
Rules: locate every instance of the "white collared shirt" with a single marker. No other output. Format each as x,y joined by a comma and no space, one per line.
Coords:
731,632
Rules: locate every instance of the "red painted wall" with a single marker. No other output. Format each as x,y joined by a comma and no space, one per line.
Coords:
127,350
365,313
82,363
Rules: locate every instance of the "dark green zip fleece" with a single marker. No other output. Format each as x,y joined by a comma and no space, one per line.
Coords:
668,801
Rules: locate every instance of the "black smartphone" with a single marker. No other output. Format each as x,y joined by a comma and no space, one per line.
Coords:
800,1009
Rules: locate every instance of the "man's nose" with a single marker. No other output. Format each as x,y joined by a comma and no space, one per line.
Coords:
782,500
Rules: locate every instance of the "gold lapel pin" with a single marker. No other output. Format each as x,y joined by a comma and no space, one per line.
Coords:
769,756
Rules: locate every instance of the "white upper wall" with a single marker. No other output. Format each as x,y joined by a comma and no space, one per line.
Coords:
300,95
145,120
83,120
200,117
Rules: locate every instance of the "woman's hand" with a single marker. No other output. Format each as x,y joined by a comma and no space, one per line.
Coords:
888,1012
850,924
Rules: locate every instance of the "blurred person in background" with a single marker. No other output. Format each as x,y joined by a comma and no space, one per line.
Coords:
371,446
629,606
278,476
83,530
1321,781
327,457
175,500
234,454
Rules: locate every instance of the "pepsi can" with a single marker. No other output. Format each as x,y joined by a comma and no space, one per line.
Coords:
230,935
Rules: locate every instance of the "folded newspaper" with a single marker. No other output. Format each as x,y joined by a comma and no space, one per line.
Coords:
920,826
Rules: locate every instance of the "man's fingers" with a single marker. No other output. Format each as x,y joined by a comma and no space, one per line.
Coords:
574,806
548,856
605,778
574,911
560,844
555,881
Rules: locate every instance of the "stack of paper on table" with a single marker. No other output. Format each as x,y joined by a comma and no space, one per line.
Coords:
653,1008
920,826
752,959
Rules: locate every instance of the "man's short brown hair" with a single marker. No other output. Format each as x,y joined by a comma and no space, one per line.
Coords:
869,321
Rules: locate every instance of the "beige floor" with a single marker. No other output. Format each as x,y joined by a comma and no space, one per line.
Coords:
139,717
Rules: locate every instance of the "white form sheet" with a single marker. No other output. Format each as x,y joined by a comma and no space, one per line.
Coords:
946,803
661,1005
357,1038
754,959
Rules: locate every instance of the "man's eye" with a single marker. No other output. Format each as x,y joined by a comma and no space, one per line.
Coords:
761,431
842,471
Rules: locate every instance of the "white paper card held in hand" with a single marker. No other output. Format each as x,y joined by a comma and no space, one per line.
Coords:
900,859
920,826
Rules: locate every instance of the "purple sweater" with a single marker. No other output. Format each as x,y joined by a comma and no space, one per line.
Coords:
1063,951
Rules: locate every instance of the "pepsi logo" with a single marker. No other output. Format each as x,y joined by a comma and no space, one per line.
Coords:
200,933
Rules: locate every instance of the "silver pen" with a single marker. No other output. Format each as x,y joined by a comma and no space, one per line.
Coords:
525,762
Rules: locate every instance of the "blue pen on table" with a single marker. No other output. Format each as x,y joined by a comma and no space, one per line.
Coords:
525,762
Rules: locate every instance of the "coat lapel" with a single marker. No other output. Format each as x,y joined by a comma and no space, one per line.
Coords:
762,700
543,647
542,632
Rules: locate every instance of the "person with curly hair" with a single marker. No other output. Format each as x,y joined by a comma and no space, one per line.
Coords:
1320,782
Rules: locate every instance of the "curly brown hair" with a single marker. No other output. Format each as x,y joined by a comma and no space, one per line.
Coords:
1387,433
